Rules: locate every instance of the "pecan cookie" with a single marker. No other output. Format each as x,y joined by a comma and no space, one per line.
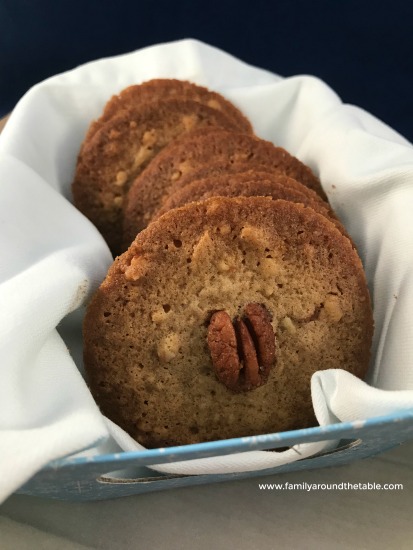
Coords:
165,88
120,150
251,183
152,188
212,323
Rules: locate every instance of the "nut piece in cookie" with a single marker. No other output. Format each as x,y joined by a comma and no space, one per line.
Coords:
242,351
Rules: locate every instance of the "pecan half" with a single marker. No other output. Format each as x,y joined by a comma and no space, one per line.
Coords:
242,351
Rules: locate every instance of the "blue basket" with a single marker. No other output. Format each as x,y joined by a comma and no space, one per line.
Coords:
123,474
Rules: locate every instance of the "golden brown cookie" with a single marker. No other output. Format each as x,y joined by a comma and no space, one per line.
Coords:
270,285
152,188
251,183
217,169
120,150
164,88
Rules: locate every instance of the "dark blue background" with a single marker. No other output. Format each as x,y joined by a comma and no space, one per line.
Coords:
364,50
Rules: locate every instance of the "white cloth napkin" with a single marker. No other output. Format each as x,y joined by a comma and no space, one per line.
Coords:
52,258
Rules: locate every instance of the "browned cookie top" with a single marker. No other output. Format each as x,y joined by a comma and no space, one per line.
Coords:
164,88
248,184
120,150
274,276
216,169
195,151
150,190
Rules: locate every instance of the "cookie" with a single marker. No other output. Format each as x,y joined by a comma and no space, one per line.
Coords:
248,184
163,88
152,188
217,169
271,286
120,150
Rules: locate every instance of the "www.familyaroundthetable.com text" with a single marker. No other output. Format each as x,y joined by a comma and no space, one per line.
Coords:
343,486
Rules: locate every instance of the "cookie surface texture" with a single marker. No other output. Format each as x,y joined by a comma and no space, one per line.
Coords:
149,191
162,89
247,184
120,150
245,277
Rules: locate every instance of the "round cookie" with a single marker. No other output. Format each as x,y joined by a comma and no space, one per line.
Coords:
120,150
151,189
248,184
217,169
169,307
225,167
161,89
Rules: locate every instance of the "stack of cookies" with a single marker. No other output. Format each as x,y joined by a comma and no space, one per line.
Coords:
237,283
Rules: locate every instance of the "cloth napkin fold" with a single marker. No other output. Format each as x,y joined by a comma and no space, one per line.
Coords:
52,258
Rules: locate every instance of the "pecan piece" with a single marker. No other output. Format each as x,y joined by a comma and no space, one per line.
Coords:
259,321
222,342
242,351
249,354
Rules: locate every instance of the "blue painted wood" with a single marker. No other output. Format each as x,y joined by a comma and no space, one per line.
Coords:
122,474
